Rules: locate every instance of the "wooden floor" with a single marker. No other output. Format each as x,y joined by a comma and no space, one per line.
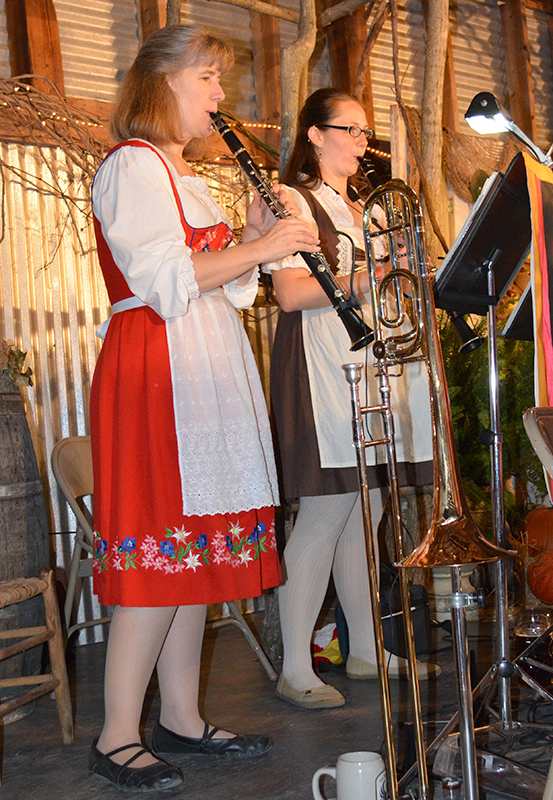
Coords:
237,695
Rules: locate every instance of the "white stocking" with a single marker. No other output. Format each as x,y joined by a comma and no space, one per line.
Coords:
308,559
351,578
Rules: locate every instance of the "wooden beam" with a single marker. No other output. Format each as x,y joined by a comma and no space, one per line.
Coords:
152,15
266,66
519,70
34,43
12,129
346,39
93,113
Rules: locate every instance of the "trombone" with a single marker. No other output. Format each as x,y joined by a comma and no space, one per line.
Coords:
453,538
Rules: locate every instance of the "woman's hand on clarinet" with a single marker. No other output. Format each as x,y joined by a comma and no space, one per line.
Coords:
287,237
260,218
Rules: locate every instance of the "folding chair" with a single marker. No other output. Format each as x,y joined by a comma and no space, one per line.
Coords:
538,422
72,466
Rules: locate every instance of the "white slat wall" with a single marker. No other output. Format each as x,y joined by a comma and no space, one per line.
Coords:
411,65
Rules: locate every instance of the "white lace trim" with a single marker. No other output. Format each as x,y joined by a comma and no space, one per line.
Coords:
224,441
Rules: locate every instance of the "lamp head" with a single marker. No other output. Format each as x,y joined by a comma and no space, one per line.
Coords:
485,115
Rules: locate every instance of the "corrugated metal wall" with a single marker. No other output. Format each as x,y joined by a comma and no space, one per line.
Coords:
411,62
478,52
542,75
99,40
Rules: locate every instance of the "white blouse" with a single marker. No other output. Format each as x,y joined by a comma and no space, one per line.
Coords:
327,346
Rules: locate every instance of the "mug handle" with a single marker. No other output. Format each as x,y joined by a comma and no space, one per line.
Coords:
316,779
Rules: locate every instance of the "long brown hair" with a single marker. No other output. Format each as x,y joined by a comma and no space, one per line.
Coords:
146,106
319,108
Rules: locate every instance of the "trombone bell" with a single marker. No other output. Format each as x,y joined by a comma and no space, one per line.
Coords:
454,543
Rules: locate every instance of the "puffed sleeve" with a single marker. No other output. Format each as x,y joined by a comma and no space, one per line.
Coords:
134,202
304,212
242,296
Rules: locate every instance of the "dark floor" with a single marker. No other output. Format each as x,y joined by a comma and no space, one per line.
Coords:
237,695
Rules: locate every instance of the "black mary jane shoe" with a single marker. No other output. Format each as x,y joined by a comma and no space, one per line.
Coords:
153,778
239,746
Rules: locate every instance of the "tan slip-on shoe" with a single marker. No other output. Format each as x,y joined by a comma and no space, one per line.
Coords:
359,670
319,697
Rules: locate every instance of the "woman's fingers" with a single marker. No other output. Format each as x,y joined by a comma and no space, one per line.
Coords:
289,236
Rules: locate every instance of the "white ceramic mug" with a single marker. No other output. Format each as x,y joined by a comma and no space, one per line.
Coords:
359,776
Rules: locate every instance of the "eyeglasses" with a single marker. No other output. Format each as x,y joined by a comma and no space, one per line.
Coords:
353,130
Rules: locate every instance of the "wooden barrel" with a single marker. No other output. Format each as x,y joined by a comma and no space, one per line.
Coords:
24,547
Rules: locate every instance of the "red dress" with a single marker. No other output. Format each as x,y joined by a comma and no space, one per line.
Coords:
148,551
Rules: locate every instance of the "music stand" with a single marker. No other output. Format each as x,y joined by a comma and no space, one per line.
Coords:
476,273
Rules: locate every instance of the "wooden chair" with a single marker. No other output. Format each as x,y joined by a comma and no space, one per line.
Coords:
17,591
538,422
72,467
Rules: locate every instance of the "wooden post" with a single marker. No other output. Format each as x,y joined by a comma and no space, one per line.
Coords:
173,12
450,116
519,70
398,145
152,15
34,43
432,113
266,65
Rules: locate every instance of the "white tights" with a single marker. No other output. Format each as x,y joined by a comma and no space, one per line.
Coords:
327,536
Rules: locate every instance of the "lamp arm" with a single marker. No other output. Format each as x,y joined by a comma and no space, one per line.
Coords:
542,157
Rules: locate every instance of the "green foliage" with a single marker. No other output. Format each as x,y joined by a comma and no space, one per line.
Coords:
12,362
467,378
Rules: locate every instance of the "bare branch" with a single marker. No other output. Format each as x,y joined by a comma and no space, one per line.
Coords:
264,8
380,17
341,10
413,144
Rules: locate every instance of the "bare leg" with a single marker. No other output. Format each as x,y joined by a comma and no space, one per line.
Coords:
135,641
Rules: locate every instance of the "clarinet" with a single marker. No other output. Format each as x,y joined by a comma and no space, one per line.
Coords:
369,172
347,308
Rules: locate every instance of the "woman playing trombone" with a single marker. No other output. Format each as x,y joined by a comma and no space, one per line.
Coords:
311,405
